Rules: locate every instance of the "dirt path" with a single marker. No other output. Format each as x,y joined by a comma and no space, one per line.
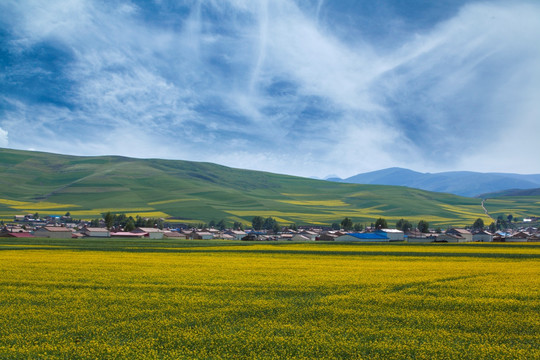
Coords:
485,210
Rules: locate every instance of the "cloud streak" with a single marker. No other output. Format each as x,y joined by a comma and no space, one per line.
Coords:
272,85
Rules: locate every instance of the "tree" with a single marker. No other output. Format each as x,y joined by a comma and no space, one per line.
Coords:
478,225
130,224
335,226
501,223
293,227
269,223
221,225
238,225
492,228
358,227
403,225
276,228
346,224
381,224
212,223
109,220
257,222
510,217
423,226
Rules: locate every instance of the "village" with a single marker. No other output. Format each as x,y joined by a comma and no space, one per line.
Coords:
63,227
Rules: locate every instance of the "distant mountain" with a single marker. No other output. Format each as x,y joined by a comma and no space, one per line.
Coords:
464,183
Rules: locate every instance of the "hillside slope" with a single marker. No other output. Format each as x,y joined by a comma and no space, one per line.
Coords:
199,192
463,183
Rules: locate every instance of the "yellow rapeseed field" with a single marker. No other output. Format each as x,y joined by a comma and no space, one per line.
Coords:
186,300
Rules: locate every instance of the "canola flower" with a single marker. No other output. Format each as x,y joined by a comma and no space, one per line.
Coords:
286,301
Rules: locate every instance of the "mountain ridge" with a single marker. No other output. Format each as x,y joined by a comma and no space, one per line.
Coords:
462,183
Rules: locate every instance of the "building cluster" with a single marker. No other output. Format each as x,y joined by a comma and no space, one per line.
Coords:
27,226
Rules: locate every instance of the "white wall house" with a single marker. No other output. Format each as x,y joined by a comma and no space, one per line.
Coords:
153,233
95,232
54,232
483,236
393,234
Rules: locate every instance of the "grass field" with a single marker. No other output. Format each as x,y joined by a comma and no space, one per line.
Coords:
191,192
118,299
519,206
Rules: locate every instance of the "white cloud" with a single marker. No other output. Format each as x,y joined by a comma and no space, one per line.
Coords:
3,138
200,88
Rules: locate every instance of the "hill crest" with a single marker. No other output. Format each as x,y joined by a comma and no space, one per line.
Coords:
463,183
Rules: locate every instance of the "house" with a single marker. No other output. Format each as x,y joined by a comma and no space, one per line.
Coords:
55,232
95,232
451,238
466,235
224,236
151,233
174,235
518,237
300,237
327,236
128,234
534,238
236,234
251,237
392,234
16,234
483,236
201,235
422,239
312,235
373,236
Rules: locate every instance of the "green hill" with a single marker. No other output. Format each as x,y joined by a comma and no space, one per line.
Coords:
195,192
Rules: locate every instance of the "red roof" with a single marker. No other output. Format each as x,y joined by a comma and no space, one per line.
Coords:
20,234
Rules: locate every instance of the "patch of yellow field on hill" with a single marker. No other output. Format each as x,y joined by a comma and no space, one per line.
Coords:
169,201
13,202
336,203
28,206
149,214
142,212
467,211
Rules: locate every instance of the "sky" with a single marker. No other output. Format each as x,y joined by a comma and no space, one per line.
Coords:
300,87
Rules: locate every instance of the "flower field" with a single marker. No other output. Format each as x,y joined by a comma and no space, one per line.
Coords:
86,299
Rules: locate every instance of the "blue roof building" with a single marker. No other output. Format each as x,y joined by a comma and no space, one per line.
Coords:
376,236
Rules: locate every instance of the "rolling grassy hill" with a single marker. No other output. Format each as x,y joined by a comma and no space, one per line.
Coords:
199,192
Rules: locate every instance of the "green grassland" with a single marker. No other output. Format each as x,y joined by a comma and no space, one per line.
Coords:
519,206
168,299
199,192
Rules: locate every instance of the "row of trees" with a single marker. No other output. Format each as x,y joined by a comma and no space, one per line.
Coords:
381,223
500,224
269,223
128,223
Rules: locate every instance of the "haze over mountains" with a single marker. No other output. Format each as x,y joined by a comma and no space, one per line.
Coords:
464,183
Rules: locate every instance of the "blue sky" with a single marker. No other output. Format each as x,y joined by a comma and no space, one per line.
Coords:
303,87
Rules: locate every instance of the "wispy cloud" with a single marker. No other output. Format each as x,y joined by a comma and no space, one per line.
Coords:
270,85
